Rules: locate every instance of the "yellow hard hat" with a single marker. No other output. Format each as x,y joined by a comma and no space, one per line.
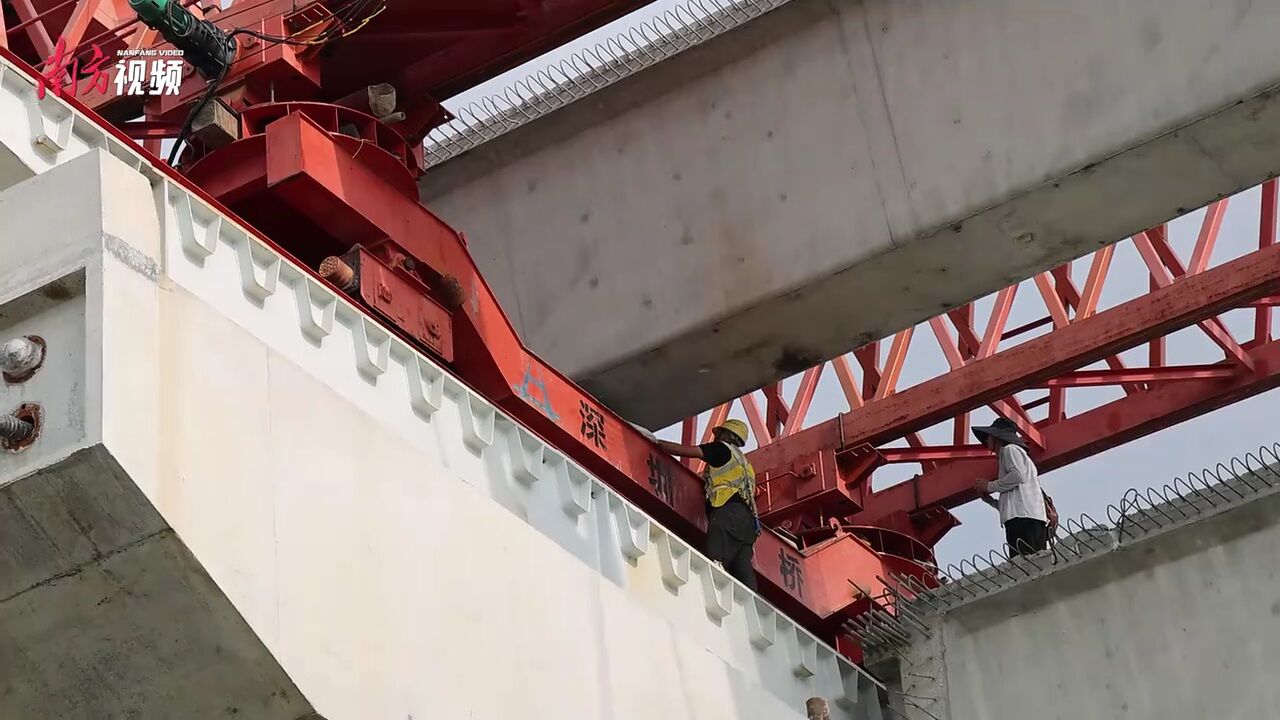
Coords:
737,427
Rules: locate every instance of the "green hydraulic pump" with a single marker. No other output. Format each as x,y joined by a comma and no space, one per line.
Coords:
208,49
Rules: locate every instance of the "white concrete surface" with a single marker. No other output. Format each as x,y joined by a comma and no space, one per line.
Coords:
1179,623
834,172
396,544
104,613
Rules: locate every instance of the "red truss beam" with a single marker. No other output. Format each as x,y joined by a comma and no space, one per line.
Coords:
1089,433
806,485
1195,299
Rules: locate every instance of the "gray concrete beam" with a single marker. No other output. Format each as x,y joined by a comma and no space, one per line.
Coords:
104,613
836,171
1180,623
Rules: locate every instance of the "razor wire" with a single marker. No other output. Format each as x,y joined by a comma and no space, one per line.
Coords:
649,42
900,614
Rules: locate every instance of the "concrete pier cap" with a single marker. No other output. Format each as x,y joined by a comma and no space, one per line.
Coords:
104,610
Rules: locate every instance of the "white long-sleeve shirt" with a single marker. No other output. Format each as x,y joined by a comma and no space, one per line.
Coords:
1019,486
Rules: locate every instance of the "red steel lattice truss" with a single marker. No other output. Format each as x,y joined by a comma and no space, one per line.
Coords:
813,475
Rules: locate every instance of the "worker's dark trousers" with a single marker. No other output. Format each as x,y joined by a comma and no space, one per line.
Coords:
731,535
1026,536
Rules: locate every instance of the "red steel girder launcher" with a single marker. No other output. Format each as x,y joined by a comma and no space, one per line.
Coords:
353,212
330,180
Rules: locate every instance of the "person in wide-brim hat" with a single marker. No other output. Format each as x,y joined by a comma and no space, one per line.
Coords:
1022,503
1002,431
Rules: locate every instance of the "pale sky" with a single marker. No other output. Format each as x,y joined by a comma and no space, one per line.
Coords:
1089,485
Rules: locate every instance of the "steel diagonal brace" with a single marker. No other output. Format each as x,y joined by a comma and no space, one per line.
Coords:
1147,244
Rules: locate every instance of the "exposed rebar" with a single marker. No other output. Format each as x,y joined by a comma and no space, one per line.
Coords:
14,429
1138,513
649,42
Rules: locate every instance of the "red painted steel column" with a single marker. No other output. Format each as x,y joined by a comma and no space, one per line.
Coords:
1266,238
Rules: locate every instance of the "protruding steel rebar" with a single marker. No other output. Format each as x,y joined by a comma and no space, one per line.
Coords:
14,429
1138,514
684,26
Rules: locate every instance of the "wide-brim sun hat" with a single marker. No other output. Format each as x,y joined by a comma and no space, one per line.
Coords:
1001,429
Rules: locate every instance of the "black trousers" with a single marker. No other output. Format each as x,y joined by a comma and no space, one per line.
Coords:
731,539
1026,536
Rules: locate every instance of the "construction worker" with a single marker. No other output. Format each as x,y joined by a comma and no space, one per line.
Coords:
1022,503
730,485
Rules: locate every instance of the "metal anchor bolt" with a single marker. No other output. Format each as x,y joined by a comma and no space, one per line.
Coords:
20,356
14,429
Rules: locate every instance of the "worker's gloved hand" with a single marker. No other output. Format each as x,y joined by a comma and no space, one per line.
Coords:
648,435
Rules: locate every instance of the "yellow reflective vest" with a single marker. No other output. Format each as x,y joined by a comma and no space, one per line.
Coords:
734,477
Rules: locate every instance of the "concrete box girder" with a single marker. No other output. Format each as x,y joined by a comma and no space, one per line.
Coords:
831,173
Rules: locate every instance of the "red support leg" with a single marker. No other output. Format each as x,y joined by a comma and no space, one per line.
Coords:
1208,236
1266,238
756,419
868,356
961,429
1154,251
996,325
847,382
804,398
949,348
1093,284
776,408
35,28
1057,310
893,364
78,23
